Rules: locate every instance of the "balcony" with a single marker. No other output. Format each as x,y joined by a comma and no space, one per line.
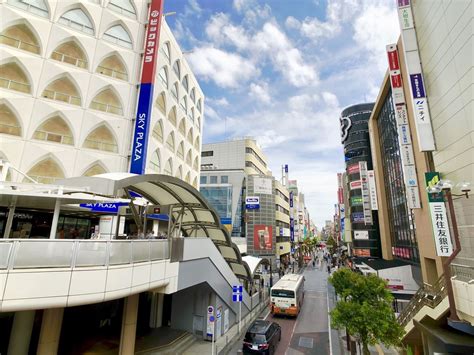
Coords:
112,73
60,96
106,108
99,145
17,43
53,137
10,129
61,57
15,85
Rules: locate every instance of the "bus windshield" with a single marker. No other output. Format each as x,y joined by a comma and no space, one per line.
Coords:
283,293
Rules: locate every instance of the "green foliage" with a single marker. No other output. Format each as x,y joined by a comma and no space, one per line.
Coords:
365,308
331,244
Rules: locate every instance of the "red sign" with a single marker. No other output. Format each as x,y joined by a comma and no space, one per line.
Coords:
353,169
392,54
152,40
355,184
396,80
262,237
361,252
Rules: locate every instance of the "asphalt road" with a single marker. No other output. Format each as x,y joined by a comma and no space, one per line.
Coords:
308,333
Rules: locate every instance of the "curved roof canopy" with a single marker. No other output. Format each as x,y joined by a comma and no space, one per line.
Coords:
254,262
197,218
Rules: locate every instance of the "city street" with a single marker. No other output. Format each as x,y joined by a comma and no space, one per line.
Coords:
307,334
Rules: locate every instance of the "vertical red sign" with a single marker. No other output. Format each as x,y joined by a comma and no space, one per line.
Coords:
152,40
392,54
396,80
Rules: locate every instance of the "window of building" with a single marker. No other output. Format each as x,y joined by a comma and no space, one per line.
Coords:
158,131
170,142
9,124
114,67
78,20
249,150
46,171
155,161
118,35
186,83
101,138
63,90
182,127
180,151
54,130
220,197
21,37
177,69
95,169
13,77
207,153
107,101
123,7
213,179
161,103
203,180
249,164
198,105
70,53
189,158
224,179
166,51
192,95
163,75
174,91
172,116
184,103
37,7
168,167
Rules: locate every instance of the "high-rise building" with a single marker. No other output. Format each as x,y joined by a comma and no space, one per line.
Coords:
68,81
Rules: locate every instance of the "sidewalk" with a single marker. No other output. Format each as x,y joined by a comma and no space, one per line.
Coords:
204,347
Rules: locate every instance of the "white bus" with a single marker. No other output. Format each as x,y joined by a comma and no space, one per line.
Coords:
287,295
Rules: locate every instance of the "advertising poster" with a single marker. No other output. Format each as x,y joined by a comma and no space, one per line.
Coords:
262,186
262,237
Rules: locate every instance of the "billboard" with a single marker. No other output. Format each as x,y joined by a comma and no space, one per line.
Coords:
262,186
361,235
252,202
262,237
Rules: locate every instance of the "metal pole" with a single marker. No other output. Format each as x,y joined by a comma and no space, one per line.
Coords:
8,225
240,316
54,223
212,339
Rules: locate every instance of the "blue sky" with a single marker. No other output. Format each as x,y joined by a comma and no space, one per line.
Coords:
282,71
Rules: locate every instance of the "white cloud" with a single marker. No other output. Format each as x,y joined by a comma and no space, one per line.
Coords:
227,70
330,99
260,92
195,8
218,102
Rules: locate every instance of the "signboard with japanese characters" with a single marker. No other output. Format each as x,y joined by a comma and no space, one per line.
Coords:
365,193
372,190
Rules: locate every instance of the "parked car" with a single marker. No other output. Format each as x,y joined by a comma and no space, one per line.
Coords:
262,337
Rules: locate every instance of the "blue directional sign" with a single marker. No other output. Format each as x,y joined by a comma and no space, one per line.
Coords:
110,207
211,318
237,292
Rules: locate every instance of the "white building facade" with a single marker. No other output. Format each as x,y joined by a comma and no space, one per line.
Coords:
69,75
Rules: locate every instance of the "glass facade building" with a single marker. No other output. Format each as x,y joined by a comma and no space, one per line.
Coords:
220,197
401,218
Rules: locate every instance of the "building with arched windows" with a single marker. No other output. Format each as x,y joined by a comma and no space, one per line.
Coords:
69,75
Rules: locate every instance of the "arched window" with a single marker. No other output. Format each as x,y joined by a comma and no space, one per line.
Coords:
195,183
64,90
37,7
182,127
12,77
192,95
186,83
70,53
123,7
107,101
196,163
95,169
118,35
189,158
161,103
184,103
174,91
180,151
197,143
101,138
168,167
166,52
190,136
21,37
9,124
54,130
158,131
177,69
46,171
155,161
179,172
113,66
78,20
198,122
199,106
172,116
163,74
191,114
170,142
188,178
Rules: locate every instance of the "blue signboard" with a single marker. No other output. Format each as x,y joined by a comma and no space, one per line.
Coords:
286,168
292,229
142,126
111,207
225,220
158,216
417,86
237,292
357,217
252,203
291,198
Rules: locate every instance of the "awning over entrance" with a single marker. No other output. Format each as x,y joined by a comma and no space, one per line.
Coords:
254,262
189,211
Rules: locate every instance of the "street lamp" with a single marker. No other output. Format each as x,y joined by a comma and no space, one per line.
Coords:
444,187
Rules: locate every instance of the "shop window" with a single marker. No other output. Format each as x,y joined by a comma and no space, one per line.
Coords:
70,53
12,77
62,90
54,130
158,131
46,171
155,161
37,7
113,66
168,167
107,101
124,7
101,138
78,20
21,37
161,103
118,35
9,124
95,169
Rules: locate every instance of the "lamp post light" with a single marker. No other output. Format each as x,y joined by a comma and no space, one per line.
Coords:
444,188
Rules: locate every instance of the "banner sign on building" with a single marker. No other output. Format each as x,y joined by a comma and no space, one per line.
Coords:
262,238
342,215
361,235
354,185
353,169
439,218
356,201
365,193
292,229
145,97
357,217
403,128
104,207
421,113
372,190
291,198
252,202
262,186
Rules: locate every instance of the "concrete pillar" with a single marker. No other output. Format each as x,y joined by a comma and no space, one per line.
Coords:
129,325
8,225
54,223
21,333
156,310
50,331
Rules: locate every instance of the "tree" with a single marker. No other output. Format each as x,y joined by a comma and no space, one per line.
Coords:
365,309
331,244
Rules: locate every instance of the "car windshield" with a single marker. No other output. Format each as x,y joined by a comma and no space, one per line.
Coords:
283,293
255,338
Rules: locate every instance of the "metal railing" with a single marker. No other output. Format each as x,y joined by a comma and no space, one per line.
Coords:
14,85
17,43
59,253
53,137
121,42
428,295
112,73
106,108
99,145
121,10
61,57
463,273
60,96
10,129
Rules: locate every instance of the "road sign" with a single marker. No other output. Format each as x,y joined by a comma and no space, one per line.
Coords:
218,314
237,292
211,319
210,310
